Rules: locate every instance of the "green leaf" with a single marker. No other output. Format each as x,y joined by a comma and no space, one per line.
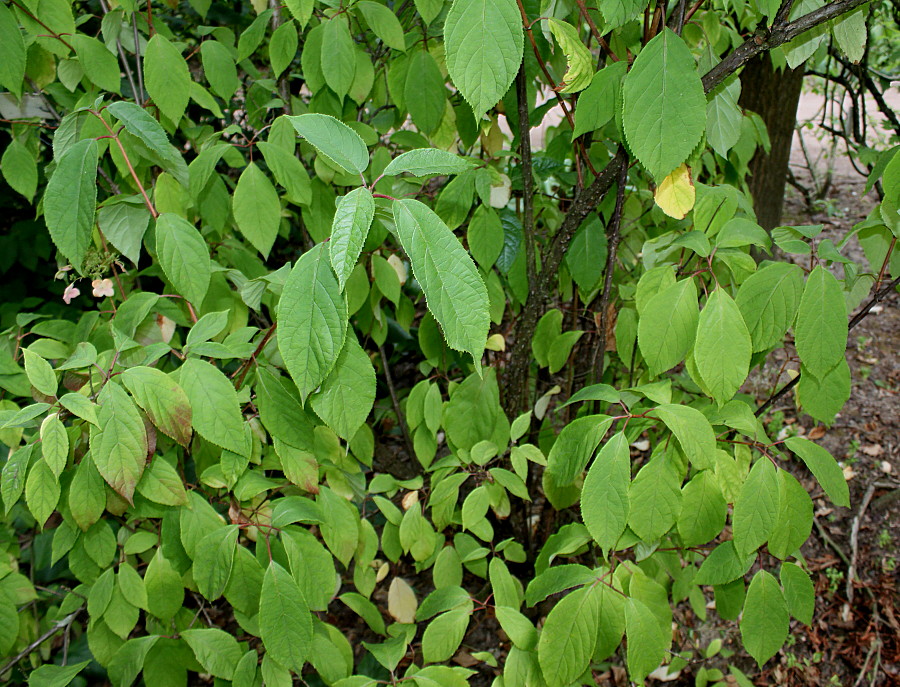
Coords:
756,507
693,431
217,651
383,22
165,592
216,412
821,328
823,398
289,172
253,35
655,499
257,210
119,442
40,374
124,225
424,93
668,326
569,635
664,104
768,301
574,446
443,635
484,42
285,623
339,59
129,660
12,52
213,561
161,483
218,66
87,494
54,444
724,117
799,592
851,34
579,62
100,65
826,469
183,256
764,624
137,121
426,161
703,510
647,643
349,230
794,521
41,492
429,9
19,168
724,565
165,403
485,237
334,139
596,105
70,201
722,351
454,291
283,47
312,320
604,496
348,393
49,675
167,77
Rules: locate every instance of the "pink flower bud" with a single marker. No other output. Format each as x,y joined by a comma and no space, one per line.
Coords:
70,293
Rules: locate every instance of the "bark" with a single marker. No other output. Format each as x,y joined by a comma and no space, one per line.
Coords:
773,95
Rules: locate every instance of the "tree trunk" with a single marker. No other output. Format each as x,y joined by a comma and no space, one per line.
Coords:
773,95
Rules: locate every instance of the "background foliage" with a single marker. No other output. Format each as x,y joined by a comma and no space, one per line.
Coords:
313,368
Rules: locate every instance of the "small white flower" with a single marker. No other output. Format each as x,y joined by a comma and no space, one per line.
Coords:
70,293
102,288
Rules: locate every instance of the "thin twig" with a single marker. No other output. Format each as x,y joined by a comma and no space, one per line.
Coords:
59,625
595,31
131,169
854,541
396,402
613,234
242,372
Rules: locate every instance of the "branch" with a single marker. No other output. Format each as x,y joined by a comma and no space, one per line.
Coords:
613,234
859,317
396,403
59,625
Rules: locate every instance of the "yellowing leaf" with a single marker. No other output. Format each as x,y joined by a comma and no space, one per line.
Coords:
580,64
402,603
676,194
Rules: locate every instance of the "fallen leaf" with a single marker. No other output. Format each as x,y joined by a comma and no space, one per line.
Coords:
817,432
873,450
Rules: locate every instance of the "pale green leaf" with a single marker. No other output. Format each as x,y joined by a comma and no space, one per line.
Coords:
12,52
257,210
454,291
723,117
426,161
216,650
283,47
215,410
693,431
312,320
348,393
443,635
664,104
756,507
49,675
119,443
799,592
655,499
604,496
383,22
70,201
54,444
822,399
647,643
722,351
41,492
794,521
703,510
821,328
768,301
668,326
166,77
569,635
219,68
574,446
764,624
183,256
579,62
339,58
334,139
723,565
825,468
164,401
138,121
40,373
596,105
19,167
349,230
288,171
285,623
484,44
